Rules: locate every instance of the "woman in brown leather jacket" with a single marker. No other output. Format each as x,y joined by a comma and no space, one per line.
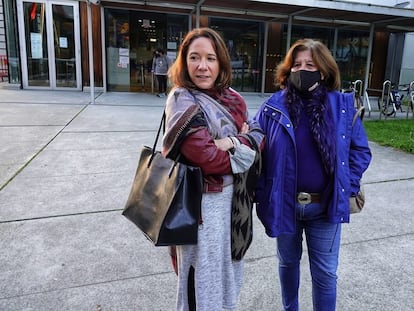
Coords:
207,122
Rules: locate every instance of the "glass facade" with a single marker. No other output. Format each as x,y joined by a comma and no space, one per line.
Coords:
350,52
131,37
351,55
38,58
12,39
36,43
325,35
244,40
49,44
131,40
65,58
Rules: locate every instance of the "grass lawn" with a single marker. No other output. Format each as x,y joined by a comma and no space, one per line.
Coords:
398,134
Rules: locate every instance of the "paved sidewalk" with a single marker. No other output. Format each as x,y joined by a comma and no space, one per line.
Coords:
66,169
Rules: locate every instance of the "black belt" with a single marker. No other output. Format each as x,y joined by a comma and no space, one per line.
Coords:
307,198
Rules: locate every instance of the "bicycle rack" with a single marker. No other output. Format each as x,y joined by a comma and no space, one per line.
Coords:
411,94
358,87
366,100
386,90
363,95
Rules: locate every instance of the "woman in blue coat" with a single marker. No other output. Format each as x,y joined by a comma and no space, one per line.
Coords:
313,162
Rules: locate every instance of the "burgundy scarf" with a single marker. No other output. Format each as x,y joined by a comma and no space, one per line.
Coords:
234,104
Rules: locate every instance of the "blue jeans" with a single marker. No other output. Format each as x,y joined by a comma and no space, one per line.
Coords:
322,239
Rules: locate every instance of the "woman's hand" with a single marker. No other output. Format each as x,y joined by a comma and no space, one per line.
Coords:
224,144
245,128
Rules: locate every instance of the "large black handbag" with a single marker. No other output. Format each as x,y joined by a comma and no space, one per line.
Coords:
165,198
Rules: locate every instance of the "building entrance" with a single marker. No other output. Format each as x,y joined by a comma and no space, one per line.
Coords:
131,38
50,44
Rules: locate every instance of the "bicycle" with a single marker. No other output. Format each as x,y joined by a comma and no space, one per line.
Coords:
408,98
391,100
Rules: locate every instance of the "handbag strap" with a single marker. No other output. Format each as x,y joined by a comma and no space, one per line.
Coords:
162,126
153,151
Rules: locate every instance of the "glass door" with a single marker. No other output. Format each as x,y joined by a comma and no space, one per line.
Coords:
37,54
50,43
64,45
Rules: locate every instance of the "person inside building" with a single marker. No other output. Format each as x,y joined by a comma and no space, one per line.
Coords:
160,65
207,123
313,162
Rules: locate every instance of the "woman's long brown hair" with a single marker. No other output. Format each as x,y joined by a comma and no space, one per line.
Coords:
179,73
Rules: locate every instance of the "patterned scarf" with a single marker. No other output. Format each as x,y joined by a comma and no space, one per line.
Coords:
321,121
233,103
224,114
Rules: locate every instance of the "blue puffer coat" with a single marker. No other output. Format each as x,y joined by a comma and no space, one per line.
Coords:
276,192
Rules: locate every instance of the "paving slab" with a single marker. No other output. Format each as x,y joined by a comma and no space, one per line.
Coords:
375,275
10,94
79,172
117,118
53,254
25,114
389,164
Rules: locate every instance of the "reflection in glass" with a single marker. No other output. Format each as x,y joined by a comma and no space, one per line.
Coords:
11,31
351,55
131,40
36,43
244,40
64,43
350,51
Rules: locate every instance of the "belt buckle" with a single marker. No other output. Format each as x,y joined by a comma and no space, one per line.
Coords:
304,198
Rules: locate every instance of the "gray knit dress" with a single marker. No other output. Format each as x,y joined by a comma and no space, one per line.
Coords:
217,277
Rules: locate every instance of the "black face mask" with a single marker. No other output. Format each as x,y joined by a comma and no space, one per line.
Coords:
305,80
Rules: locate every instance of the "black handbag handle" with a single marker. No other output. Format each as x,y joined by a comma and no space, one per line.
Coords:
162,125
162,122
